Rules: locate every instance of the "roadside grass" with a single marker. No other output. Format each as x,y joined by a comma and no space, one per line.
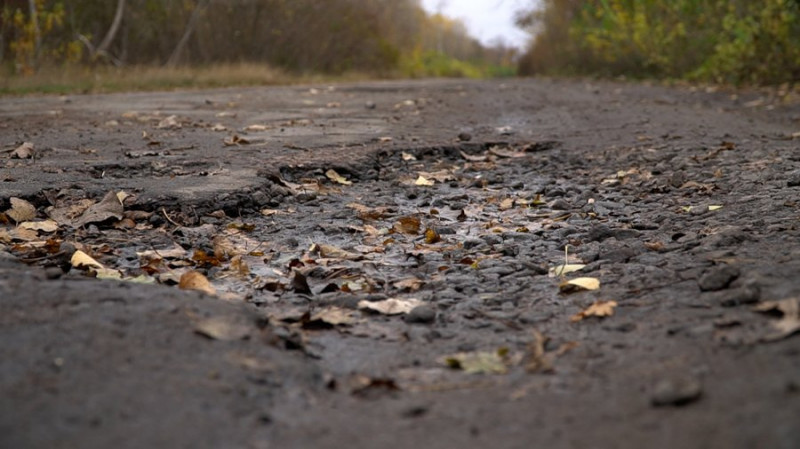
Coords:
71,79
81,79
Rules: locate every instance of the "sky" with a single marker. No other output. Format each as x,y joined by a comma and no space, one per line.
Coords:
485,19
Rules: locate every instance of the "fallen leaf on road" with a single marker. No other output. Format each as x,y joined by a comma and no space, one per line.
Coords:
109,207
223,328
598,308
480,362
431,236
560,270
391,306
408,157
332,252
235,140
407,225
423,181
411,284
194,280
331,316
713,208
42,226
21,210
170,122
790,321
24,151
576,284
82,260
337,178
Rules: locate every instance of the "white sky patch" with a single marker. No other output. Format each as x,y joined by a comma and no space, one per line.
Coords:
485,19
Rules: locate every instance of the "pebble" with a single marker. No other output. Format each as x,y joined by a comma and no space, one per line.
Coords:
718,278
423,314
676,391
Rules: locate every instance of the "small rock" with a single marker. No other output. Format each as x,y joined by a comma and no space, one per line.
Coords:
464,137
794,179
676,392
718,278
678,179
423,314
53,272
370,105
561,204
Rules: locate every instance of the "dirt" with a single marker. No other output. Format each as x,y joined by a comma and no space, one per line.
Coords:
307,208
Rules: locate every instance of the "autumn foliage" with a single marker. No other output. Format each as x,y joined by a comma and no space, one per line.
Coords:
331,36
732,41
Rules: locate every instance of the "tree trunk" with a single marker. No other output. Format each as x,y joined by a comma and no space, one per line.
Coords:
176,54
37,34
102,49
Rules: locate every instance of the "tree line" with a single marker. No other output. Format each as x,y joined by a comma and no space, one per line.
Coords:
331,36
730,41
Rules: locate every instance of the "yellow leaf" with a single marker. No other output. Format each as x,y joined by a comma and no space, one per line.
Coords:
422,181
580,284
431,236
336,177
598,308
713,208
82,260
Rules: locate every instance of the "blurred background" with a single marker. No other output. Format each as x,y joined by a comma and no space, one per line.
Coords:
99,45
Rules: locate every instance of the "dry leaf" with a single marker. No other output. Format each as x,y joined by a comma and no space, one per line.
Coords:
563,269
332,252
24,151
235,140
176,252
82,260
407,225
431,236
337,178
408,157
478,362
170,122
411,284
21,210
579,284
786,326
713,208
333,316
41,226
109,207
422,181
224,328
391,306
598,309
194,280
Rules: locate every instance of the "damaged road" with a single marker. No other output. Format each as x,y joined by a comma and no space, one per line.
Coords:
447,263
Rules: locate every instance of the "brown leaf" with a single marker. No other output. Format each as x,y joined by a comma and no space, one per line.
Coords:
21,210
109,207
598,308
331,316
24,151
407,225
194,280
300,283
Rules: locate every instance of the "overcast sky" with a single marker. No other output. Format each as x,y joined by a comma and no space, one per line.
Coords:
486,19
